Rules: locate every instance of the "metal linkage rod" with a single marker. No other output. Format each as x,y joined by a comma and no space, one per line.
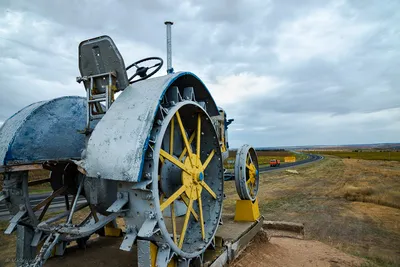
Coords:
75,201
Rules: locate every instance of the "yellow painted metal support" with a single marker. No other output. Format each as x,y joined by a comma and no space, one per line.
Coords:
247,211
111,230
153,254
171,137
185,223
186,201
205,164
172,198
174,222
203,232
173,160
185,149
209,190
198,138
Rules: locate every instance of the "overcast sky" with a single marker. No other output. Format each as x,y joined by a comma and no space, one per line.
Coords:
288,72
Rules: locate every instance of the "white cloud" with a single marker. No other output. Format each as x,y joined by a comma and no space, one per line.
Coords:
237,89
324,32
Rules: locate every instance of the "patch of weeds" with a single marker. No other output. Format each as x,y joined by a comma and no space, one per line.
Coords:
294,202
378,261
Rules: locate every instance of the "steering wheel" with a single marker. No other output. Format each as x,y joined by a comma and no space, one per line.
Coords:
142,71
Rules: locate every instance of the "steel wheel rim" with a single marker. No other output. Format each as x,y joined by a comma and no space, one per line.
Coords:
183,248
247,173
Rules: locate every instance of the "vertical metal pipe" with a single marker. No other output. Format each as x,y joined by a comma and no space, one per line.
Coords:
169,48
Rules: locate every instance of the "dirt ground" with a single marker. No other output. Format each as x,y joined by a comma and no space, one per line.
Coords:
351,205
289,252
350,209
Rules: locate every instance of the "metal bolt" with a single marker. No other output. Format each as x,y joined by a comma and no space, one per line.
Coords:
120,195
159,122
98,175
148,175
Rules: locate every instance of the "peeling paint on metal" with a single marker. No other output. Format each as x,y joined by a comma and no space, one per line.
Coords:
45,130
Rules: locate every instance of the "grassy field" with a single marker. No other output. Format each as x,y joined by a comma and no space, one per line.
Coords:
264,157
350,204
368,155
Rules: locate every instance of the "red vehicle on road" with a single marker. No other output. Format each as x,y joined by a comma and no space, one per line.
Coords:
274,163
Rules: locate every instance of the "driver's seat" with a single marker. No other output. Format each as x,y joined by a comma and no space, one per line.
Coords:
100,56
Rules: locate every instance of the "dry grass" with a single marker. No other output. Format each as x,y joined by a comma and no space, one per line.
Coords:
327,196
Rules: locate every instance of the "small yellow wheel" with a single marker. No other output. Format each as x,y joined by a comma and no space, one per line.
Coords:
246,173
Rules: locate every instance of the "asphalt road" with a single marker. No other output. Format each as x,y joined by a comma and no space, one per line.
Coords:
59,202
311,158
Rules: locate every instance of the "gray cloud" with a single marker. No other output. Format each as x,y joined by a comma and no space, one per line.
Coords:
316,73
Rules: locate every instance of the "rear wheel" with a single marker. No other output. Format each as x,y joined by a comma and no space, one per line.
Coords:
188,177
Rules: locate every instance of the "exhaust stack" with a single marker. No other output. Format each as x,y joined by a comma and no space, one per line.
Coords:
170,70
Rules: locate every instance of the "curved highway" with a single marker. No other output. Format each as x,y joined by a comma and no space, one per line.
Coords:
311,158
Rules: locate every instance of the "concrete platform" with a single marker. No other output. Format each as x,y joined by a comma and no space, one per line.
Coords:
231,238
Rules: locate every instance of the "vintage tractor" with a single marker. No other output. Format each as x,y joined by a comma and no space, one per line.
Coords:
152,156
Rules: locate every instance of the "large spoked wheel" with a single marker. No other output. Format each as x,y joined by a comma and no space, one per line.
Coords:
246,173
188,177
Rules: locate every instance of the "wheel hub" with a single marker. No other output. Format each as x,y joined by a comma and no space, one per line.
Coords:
193,177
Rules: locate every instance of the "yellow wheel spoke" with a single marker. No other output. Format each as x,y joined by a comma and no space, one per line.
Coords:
185,150
173,160
208,159
185,224
203,232
251,160
172,198
162,159
183,132
248,166
173,221
209,190
171,137
186,201
198,137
